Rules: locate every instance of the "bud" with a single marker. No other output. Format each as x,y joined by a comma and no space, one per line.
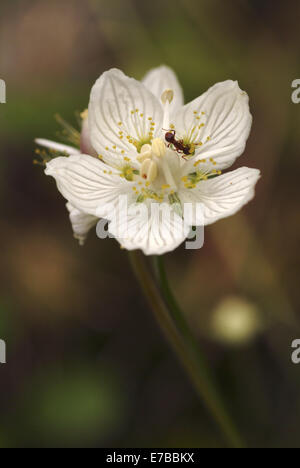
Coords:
158,147
149,170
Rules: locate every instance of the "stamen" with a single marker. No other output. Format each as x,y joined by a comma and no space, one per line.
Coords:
84,114
167,95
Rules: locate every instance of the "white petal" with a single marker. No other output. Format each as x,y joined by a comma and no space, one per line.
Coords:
85,139
59,147
87,183
81,223
227,122
161,78
153,228
221,196
112,109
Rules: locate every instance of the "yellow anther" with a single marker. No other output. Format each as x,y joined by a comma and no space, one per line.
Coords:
84,114
165,186
167,95
126,159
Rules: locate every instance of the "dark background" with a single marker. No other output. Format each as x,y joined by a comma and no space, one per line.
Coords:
87,366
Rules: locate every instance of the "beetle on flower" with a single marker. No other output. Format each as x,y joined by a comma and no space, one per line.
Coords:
126,153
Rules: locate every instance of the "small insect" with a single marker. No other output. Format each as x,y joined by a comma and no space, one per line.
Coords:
180,146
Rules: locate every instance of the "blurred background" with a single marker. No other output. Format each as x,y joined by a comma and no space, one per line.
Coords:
86,363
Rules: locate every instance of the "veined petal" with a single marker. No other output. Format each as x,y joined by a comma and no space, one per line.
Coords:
59,147
87,183
161,78
221,196
81,223
123,115
218,122
154,228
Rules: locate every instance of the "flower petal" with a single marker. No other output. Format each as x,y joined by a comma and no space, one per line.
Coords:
221,196
161,78
59,147
121,112
224,111
81,223
153,228
87,183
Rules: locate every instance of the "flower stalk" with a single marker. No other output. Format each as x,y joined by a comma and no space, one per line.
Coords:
177,333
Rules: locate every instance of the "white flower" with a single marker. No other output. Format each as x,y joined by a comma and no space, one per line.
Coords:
156,151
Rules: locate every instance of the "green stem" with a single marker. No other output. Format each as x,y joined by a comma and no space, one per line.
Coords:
184,348
174,308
